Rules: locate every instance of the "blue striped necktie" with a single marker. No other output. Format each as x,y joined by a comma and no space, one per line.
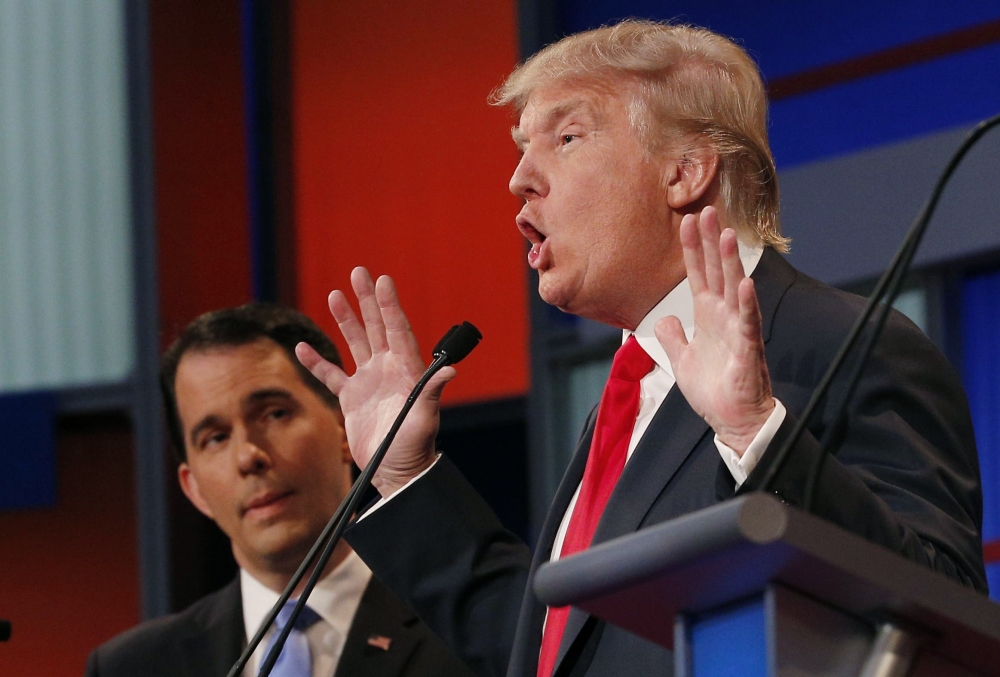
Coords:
295,659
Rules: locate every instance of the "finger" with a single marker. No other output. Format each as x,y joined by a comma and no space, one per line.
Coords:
350,327
732,267
750,319
432,392
364,288
694,260
332,376
670,333
709,226
398,333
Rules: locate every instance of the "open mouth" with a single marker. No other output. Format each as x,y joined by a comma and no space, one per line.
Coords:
537,256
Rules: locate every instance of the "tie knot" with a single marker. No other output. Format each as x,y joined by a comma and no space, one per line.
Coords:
305,620
631,362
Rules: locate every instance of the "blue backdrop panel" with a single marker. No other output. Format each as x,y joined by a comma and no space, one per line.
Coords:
739,630
27,450
788,37
887,107
981,371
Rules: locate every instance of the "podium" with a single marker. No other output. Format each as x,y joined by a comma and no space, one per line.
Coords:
753,587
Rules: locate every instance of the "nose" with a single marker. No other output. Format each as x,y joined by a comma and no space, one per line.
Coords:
528,181
251,457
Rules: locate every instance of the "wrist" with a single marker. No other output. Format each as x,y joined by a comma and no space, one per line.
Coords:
389,481
739,437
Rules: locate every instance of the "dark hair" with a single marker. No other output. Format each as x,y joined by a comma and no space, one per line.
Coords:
238,327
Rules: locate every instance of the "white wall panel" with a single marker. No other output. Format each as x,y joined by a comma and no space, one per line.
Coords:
847,215
66,288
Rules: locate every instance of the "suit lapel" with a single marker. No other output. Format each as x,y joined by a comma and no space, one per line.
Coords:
567,487
670,438
772,277
381,639
528,638
218,636
673,434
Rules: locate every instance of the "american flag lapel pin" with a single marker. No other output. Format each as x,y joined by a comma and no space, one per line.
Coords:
379,642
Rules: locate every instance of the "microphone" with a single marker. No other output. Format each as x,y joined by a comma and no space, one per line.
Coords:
5,630
453,347
885,291
457,343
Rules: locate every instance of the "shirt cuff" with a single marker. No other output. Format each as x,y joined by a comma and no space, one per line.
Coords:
385,499
741,467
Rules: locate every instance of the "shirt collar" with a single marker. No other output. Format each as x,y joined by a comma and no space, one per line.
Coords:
335,597
679,302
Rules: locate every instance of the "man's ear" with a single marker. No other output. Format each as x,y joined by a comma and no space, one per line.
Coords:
690,176
189,485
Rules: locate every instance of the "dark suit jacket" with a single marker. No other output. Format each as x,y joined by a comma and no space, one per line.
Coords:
207,638
906,477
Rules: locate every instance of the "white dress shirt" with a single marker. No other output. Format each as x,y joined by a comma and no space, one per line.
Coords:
653,387
335,599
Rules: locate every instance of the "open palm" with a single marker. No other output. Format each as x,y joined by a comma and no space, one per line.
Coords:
388,366
721,371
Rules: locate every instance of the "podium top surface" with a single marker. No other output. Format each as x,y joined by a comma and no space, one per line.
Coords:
735,549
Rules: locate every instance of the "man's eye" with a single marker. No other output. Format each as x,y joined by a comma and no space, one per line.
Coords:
567,138
278,413
213,440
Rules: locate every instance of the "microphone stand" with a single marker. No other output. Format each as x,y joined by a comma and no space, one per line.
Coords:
453,347
886,290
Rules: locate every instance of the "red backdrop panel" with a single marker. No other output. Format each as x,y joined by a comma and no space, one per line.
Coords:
199,134
70,573
401,166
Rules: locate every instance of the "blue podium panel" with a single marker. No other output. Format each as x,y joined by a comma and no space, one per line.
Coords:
27,450
779,633
730,642
753,587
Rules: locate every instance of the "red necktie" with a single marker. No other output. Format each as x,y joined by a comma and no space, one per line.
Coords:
608,449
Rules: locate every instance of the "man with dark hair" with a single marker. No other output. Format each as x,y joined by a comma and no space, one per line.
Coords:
263,453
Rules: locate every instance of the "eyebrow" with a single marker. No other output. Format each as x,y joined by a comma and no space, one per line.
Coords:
253,398
551,116
268,394
207,422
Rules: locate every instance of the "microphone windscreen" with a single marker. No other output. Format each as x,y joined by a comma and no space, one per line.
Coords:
444,340
458,342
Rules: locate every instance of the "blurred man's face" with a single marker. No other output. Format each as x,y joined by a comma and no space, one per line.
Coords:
595,208
267,459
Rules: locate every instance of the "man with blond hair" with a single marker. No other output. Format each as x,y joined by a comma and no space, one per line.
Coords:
651,204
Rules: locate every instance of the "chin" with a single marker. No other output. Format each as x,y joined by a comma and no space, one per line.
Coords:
554,293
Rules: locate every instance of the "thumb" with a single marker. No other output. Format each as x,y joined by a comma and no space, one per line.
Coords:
432,392
670,333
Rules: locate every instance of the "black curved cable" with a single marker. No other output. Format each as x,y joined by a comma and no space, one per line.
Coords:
886,290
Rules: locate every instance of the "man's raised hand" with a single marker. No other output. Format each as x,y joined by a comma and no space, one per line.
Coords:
388,366
721,371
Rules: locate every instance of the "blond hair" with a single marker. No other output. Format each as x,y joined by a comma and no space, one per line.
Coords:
694,87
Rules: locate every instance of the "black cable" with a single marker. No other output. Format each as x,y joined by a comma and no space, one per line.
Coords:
456,344
887,288
241,662
363,483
